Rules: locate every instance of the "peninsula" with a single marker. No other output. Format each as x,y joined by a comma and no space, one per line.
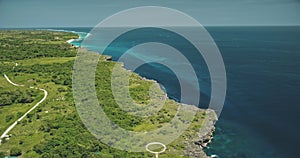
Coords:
44,60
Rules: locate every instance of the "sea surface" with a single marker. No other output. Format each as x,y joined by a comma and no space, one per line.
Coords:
260,117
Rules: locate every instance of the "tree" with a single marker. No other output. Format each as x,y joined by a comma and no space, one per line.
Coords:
2,154
15,151
38,148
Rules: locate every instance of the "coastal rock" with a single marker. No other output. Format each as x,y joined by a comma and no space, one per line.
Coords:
194,146
108,58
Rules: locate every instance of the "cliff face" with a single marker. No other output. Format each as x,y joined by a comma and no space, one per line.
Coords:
196,143
197,136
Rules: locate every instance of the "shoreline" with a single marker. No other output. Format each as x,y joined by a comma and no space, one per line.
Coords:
194,147
70,40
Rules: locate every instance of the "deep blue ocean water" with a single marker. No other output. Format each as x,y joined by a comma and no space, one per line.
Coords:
260,117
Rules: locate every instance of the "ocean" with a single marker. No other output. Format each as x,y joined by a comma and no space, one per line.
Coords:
261,111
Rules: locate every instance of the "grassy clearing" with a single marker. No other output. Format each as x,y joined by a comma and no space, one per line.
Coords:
47,60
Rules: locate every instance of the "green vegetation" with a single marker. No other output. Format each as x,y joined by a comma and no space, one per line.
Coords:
15,151
16,96
14,102
20,45
55,129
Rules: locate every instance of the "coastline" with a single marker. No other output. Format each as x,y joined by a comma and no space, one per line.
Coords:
204,135
70,40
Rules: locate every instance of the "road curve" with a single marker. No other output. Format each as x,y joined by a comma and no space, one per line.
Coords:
23,116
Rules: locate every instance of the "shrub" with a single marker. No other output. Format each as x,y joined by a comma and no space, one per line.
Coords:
15,151
9,117
2,154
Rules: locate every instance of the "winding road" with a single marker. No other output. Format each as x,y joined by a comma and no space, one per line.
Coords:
23,116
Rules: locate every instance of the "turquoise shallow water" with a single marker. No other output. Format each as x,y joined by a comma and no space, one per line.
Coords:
260,115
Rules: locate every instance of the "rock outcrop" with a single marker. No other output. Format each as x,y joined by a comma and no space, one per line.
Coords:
194,147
